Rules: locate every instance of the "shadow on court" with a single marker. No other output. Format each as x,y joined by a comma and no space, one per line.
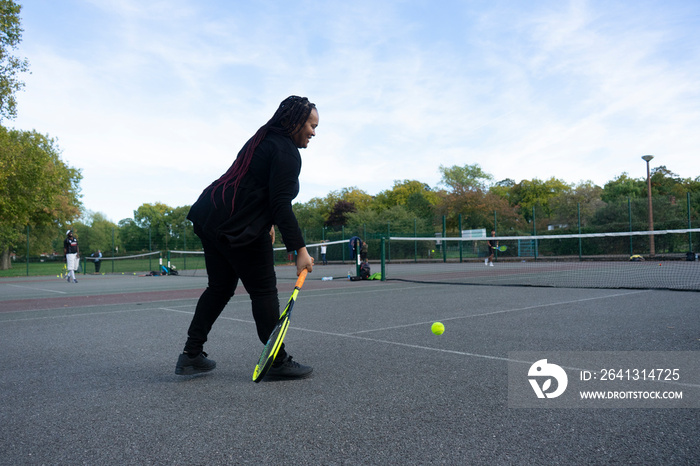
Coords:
88,375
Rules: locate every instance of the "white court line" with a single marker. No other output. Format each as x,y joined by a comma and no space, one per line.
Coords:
79,314
39,289
472,355
355,336
219,318
505,311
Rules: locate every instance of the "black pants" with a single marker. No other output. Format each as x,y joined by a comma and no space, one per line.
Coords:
254,266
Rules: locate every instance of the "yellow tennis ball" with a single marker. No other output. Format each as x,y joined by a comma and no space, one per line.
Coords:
437,328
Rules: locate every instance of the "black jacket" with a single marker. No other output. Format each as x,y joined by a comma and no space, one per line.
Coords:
264,198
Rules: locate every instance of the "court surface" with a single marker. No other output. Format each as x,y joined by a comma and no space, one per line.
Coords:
88,375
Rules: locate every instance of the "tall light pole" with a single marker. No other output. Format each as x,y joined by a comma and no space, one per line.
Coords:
647,159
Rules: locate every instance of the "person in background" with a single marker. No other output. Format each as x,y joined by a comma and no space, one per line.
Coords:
492,247
70,253
363,252
324,248
97,256
235,218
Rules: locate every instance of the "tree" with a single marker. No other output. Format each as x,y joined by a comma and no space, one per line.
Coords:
396,220
478,210
37,189
308,215
565,206
96,232
401,192
337,217
623,187
502,188
10,65
420,204
666,183
315,214
157,218
182,229
357,197
465,179
132,237
537,193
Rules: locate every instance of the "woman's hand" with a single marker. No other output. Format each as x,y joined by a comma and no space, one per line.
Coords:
304,261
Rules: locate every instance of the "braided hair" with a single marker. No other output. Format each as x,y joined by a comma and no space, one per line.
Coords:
288,120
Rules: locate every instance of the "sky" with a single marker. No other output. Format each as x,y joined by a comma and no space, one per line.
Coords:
153,99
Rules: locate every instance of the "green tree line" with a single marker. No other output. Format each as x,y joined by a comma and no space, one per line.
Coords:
467,197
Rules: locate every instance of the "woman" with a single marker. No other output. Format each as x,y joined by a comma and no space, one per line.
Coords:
234,218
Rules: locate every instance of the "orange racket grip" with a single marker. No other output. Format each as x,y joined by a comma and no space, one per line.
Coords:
300,280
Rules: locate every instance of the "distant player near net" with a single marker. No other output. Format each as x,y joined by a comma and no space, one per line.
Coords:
71,251
234,218
493,245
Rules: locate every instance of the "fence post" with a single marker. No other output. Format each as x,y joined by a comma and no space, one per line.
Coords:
578,205
461,243
113,246
388,235
415,242
383,254
629,214
343,249
27,254
690,235
534,231
444,235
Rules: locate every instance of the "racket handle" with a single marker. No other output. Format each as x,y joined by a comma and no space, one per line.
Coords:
300,280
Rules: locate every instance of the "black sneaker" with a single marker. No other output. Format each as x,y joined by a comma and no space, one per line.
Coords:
188,366
289,369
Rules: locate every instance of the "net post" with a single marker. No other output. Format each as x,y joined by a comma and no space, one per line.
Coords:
690,235
383,258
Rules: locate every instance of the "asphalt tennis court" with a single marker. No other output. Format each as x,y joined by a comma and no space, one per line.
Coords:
88,375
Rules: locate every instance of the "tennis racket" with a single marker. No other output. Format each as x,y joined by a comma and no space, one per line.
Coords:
277,336
501,248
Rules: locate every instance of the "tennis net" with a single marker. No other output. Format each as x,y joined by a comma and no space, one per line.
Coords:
188,263
191,263
337,252
137,263
595,260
